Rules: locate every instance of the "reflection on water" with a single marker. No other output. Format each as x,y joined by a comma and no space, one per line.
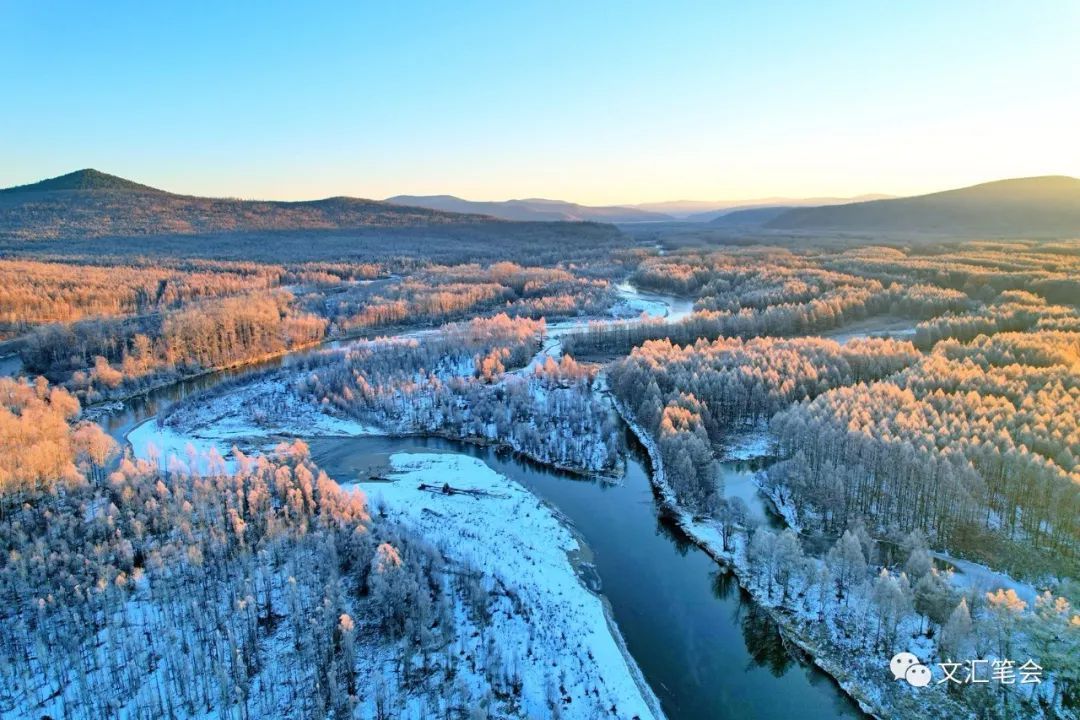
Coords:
739,478
656,305
703,645
705,648
763,641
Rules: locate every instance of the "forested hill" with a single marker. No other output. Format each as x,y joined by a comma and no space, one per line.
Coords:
88,179
1024,207
534,209
89,203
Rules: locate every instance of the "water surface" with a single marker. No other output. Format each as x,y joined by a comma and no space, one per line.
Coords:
703,645
705,648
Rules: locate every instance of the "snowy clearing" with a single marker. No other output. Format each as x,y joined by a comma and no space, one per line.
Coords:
973,576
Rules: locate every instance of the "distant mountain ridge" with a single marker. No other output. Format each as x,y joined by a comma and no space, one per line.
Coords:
532,209
750,217
709,210
1045,206
90,203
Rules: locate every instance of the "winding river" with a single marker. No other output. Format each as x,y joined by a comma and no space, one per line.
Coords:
702,644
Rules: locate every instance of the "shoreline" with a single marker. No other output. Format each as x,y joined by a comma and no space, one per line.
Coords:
788,631
577,557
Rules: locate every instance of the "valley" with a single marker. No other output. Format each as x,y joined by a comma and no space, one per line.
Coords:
686,481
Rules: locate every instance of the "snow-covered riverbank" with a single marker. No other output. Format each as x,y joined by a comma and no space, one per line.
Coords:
878,698
521,544
554,632
238,418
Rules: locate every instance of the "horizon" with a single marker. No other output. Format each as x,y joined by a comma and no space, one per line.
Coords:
604,105
540,361
717,204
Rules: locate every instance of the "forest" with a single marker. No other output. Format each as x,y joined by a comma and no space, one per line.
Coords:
487,380
691,397
250,587
969,445
463,382
915,411
886,458
110,332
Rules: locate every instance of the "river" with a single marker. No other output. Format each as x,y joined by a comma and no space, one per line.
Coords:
703,645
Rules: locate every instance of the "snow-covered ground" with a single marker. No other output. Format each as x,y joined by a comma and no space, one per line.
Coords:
804,622
748,444
972,576
149,441
263,407
887,326
633,303
511,535
558,632
236,418
654,305
798,630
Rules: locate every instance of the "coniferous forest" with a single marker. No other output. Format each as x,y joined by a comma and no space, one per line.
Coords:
540,361
913,410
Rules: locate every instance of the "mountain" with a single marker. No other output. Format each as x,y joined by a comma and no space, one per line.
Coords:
749,217
711,215
1047,206
681,209
88,179
89,203
531,209
709,210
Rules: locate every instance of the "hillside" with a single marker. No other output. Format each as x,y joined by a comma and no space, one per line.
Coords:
749,217
89,204
1046,206
531,209
88,179
709,210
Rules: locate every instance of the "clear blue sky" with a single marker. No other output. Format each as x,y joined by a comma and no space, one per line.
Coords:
590,101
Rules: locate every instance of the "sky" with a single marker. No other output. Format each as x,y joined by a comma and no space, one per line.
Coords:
596,102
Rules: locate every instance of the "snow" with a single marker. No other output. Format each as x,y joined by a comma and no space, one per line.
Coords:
887,326
633,303
149,441
799,626
509,534
742,483
749,444
551,347
234,418
243,412
972,576
655,305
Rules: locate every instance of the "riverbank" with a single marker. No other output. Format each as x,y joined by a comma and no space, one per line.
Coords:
706,648
559,326
884,698
551,627
511,535
268,405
